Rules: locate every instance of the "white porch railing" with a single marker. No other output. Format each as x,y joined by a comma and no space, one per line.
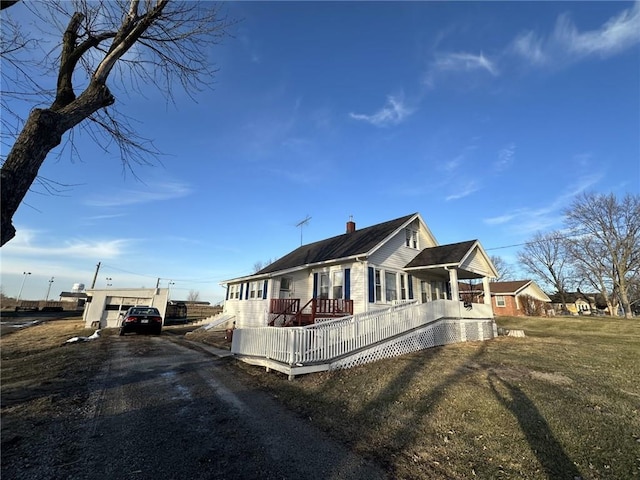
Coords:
332,339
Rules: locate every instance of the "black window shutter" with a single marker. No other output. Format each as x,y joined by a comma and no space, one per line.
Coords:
372,286
315,285
347,284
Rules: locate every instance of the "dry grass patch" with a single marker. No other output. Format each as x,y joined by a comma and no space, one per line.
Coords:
42,376
563,402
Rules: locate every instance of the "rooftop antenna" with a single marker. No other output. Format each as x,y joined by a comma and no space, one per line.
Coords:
301,224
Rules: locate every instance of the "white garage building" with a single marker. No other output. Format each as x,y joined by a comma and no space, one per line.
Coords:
104,306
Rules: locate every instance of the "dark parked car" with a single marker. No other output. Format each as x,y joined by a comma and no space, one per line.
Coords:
141,320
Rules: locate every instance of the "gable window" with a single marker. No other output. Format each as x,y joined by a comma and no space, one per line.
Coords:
411,238
324,285
500,302
391,292
338,290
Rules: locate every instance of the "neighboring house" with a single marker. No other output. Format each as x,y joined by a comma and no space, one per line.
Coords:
358,271
580,303
517,298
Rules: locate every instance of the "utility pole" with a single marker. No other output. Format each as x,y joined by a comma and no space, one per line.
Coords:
49,290
95,276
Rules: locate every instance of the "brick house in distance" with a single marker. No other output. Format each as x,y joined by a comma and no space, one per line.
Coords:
508,298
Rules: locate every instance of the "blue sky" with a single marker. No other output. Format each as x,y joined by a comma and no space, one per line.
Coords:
486,117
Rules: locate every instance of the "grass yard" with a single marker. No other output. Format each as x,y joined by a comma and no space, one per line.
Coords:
563,402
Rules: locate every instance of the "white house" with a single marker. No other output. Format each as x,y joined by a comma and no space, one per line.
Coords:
358,271
367,294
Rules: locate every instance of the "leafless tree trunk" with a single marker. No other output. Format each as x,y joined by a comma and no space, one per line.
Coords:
170,42
609,250
545,258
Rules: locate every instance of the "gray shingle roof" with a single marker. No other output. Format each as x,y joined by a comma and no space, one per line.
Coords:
441,255
346,245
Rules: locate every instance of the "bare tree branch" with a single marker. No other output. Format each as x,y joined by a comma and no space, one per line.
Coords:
156,42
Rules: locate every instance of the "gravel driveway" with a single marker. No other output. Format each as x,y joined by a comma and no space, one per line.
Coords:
160,410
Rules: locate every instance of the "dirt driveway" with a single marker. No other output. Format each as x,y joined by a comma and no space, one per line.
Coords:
161,410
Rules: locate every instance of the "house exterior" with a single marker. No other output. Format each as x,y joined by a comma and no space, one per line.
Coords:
518,298
359,271
580,304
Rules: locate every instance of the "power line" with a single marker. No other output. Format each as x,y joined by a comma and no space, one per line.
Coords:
532,242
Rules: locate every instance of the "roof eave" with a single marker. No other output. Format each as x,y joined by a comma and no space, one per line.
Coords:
279,273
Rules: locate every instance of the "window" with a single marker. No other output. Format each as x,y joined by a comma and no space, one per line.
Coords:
378,286
232,291
403,288
255,290
500,301
338,291
324,285
285,287
411,238
391,292
424,291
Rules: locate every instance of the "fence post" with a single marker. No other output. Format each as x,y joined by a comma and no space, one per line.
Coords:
292,346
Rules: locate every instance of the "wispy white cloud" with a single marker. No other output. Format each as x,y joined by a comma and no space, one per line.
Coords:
33,243
464,62
567,43
530,220
464,191
395,111
154,193
506,156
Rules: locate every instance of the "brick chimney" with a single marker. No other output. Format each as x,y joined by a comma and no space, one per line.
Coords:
351,225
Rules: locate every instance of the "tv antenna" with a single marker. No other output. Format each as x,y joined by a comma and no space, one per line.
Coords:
301,224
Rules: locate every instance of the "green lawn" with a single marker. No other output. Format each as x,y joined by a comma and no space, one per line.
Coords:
563,402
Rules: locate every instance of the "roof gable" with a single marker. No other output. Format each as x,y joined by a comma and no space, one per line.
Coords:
360,242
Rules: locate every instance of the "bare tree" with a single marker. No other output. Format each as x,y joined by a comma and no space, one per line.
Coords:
608,250
259,265
546,259
505,270
193,296
134,44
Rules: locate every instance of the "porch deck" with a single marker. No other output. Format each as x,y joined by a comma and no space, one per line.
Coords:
286,312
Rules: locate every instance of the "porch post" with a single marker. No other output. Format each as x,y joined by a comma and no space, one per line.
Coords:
453,280
487,290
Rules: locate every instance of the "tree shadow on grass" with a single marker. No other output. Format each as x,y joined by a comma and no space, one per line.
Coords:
406,434
547,449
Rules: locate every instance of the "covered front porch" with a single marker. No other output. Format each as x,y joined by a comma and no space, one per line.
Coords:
449,265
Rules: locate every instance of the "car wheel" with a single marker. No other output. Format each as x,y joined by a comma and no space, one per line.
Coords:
122,332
